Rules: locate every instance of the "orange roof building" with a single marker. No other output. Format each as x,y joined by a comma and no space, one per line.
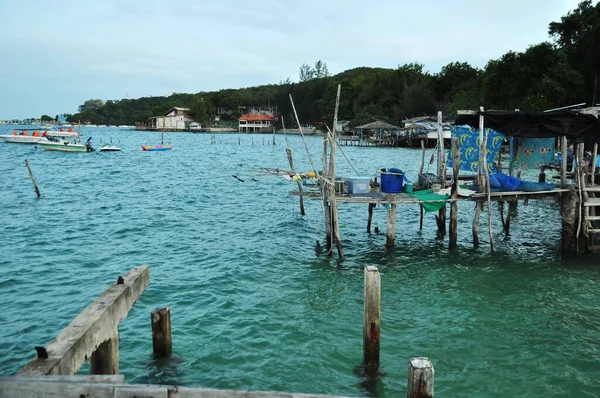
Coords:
256,123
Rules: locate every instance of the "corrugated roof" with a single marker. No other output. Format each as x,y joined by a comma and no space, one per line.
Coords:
256,117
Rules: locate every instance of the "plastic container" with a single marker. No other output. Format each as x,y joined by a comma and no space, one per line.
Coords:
391,180
358,185
408,187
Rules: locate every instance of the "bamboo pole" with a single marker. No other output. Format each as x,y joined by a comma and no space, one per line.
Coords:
454,191
441,217
35,186
302,134
420,378
162,343
371,326
288,151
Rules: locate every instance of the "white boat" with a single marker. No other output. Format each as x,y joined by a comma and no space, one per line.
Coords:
55,133
66,146
109,148
23,139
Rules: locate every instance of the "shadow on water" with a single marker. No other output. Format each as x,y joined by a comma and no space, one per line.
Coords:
370,381
164,369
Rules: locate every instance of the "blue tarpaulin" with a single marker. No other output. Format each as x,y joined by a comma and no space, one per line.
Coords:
468,143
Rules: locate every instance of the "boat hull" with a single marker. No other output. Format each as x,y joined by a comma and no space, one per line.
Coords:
57,146
156,147
109,149
23,139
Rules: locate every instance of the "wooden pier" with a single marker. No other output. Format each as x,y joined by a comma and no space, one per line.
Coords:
578,198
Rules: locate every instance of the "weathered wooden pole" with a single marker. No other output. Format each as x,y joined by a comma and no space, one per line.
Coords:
421,217
420,378
371,207
568,212
441,217
422,157
324,179
391,226
37,191
371,327
105,360
454,191
563,161
288,151
488,189
335,226
161,331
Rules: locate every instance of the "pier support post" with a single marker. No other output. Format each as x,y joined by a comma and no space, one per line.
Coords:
420,378
161,331
371,207
454,204
568,211
288,151
478,208
35,186
105,360
391,226
371,328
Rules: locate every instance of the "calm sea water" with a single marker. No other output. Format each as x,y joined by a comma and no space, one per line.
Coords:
252,304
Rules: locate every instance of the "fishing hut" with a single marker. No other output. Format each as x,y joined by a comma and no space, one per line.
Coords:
541,140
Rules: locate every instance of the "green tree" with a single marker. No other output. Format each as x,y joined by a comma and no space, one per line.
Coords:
46,118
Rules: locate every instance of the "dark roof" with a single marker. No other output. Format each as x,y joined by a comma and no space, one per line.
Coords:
576,126
377,125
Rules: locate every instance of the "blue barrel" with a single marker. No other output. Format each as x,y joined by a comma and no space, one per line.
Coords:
391,180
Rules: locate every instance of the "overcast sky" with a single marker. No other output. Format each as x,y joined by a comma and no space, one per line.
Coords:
57,54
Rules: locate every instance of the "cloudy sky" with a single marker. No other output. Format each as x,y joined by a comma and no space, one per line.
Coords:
57,54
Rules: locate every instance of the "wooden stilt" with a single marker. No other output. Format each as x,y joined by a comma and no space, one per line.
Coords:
454,192
391,226
478,208
593,165
421,217
105,360
335,229
37,191
568,210
488,190
441,221
371,327
161,331
371,207
502,217
291,160
563,162
422,157
420,378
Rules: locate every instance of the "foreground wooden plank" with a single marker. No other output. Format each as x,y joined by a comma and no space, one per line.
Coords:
96,324
102,379
13,387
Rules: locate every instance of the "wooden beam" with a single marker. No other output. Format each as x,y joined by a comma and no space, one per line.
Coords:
96,324
391,226
105,360
11,387
161,331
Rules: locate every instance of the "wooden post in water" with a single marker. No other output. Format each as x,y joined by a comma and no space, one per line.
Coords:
568,212
371,327
421,217
371,207
161,331
563,161
335,226
37,191
325,189
391,226
488,189
105,360
420,378
288,151
454,204
422,157
441,217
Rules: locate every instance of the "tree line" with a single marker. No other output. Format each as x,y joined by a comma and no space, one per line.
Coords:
562,71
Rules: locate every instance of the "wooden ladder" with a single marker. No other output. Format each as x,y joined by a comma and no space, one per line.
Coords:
591,211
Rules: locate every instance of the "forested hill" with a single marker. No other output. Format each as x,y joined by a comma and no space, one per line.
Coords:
562,71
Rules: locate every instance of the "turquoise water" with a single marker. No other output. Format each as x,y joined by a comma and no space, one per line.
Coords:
253,306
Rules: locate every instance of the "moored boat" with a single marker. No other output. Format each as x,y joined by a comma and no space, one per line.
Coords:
156,147
24,138
66,146
109,148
